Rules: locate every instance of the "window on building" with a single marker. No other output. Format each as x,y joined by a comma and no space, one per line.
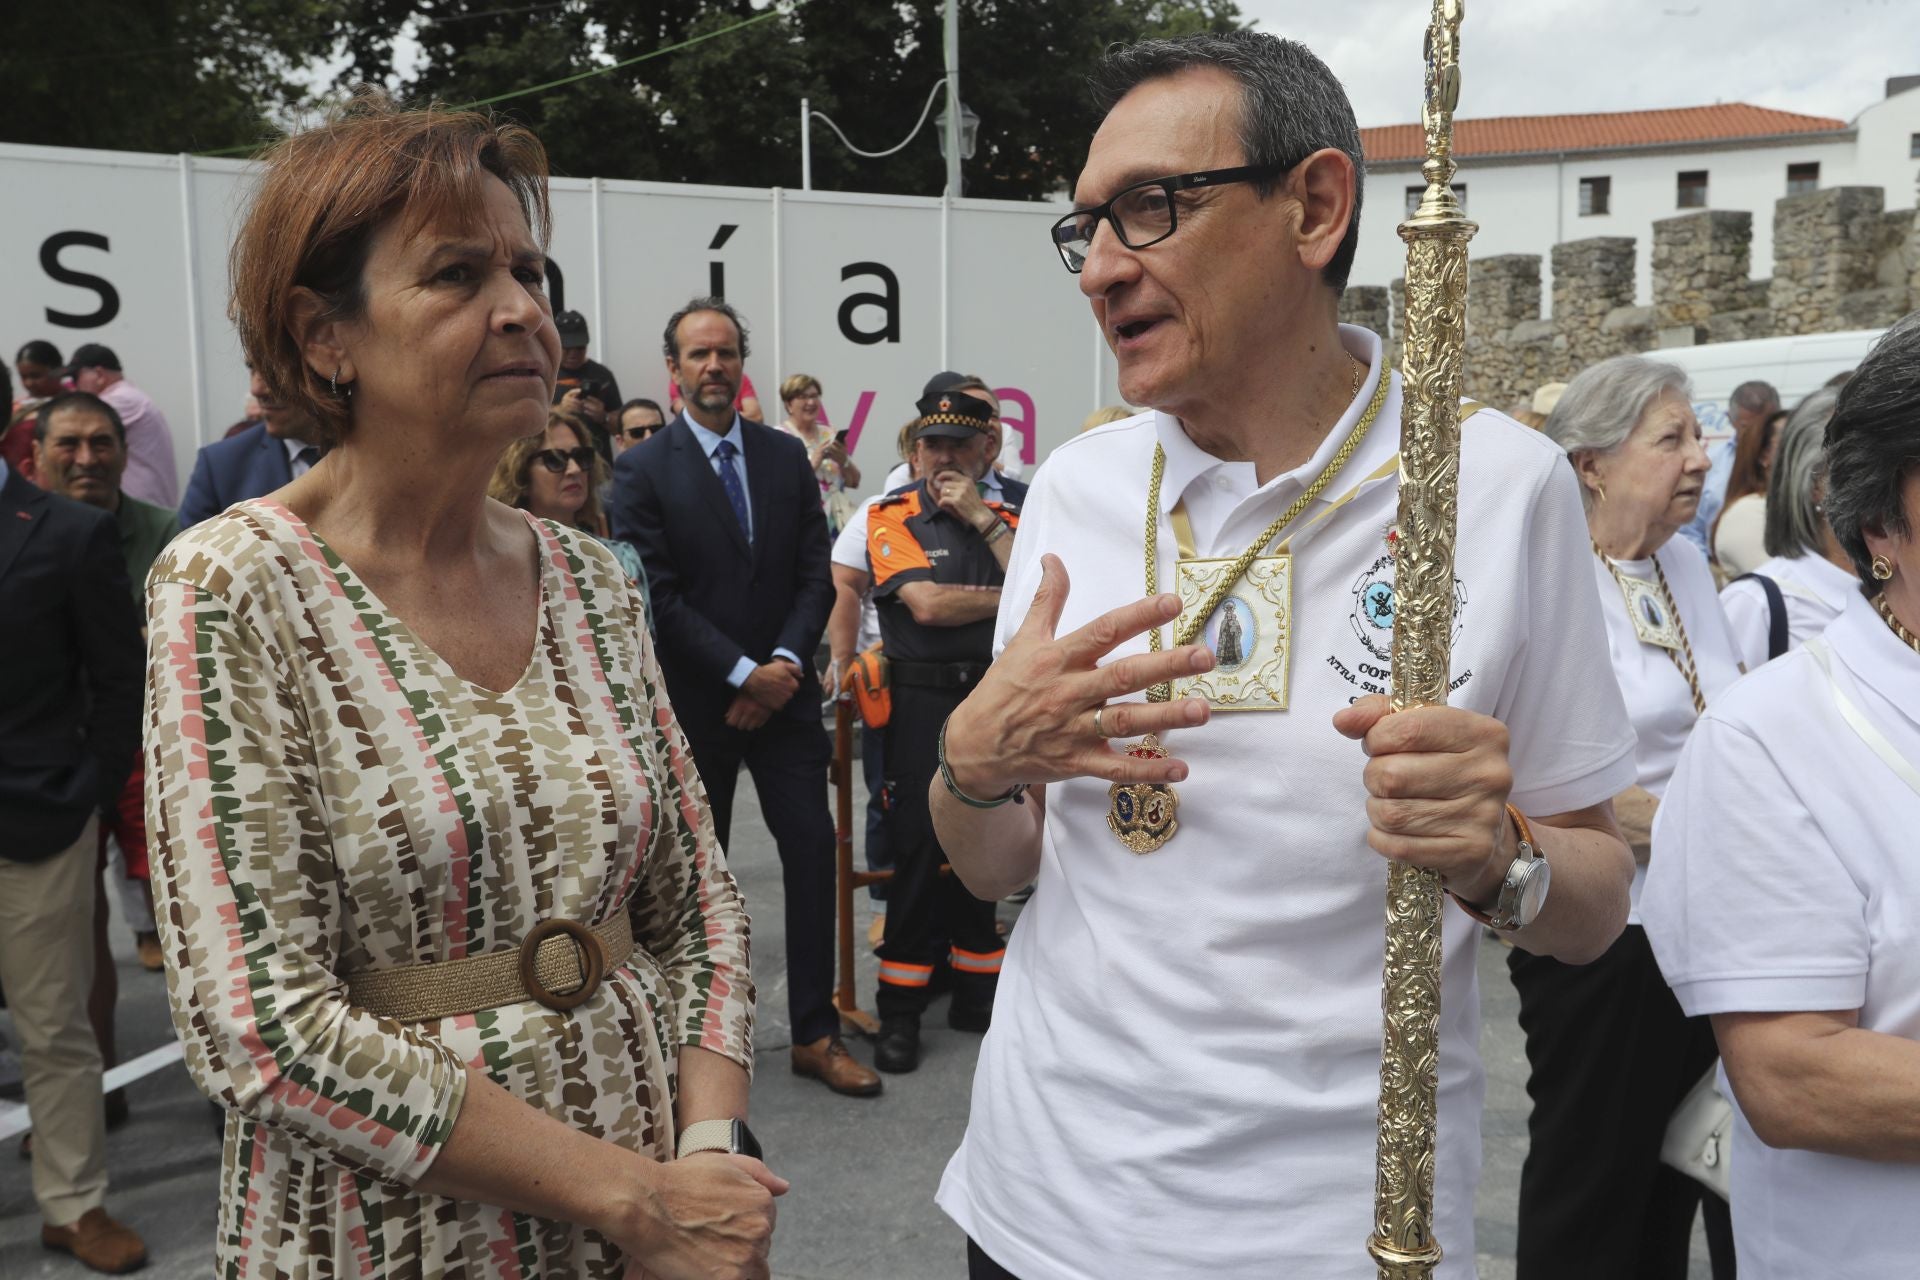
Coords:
1596,195
1414,195
1803,177
1913,147
1693,189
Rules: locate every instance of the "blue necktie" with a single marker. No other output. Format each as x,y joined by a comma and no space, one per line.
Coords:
730,481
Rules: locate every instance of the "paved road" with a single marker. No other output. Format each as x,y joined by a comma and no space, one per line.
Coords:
863,1171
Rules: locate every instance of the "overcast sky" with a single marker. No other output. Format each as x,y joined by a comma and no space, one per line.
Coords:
1552,57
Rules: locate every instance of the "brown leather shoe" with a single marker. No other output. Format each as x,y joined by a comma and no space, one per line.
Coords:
99,1242
828,1061
147,947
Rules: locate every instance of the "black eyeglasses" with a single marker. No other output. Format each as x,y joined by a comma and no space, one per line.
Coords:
1145,213
556,460
634,435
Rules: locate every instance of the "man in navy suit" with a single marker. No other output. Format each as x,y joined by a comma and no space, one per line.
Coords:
268,455
726,514
70,684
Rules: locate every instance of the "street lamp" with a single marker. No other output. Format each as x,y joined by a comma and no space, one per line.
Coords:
969,133
969,130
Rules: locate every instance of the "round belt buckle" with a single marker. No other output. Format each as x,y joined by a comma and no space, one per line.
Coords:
593,963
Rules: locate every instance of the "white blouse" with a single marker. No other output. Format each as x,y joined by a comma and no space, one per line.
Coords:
1659,700
1812,587
1786,878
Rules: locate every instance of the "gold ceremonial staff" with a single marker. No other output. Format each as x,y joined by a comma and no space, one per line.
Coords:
1402,1246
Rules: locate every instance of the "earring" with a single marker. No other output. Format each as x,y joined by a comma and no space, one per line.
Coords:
1882,569
333,383
1601,490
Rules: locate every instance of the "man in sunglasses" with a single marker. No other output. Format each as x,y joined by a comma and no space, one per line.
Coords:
639,419
1182,1074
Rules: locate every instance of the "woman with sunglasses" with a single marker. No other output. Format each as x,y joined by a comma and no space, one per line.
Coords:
557,475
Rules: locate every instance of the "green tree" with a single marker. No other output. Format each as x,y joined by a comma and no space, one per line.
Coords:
156,75
172,75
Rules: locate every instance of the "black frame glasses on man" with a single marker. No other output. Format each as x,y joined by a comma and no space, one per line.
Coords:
1145,213
634,435
556,460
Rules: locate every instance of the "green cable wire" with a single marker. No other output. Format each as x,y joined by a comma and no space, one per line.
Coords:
773,11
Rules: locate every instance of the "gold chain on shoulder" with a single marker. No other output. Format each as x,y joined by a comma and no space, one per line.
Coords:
1899,629
1688,669
1161,692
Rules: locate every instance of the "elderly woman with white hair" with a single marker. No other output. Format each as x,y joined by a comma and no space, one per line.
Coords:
1611,1053
1790,598
1782,900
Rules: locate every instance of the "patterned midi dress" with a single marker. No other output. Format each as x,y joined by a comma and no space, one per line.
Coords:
325,794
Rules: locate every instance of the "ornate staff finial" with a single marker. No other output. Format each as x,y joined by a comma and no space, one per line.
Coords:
1403,1246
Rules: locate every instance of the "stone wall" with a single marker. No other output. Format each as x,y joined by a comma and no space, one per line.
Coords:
1826,246
1841,261
1367,306
1701,262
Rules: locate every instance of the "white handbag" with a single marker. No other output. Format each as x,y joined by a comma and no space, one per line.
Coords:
1700,1136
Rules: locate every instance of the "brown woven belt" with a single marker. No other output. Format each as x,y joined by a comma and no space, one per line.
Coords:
559,964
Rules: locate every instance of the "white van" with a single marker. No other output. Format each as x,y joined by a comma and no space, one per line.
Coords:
1795,366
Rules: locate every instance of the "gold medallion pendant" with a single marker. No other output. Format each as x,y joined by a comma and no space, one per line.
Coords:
1142,813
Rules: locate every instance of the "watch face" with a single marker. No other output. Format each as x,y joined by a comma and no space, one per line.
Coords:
744,1143
1533,891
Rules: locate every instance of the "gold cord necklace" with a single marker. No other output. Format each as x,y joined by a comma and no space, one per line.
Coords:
1142,814
1689,670
1886,612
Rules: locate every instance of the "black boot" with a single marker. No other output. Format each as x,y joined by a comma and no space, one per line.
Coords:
897,1050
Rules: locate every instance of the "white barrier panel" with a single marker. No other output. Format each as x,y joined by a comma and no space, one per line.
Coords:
870,294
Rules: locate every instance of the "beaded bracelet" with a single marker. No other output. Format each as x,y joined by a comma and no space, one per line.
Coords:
1016,793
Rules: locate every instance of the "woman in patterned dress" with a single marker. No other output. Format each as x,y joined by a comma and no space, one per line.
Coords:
391,722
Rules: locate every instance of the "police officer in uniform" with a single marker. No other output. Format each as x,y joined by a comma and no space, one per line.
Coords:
937,554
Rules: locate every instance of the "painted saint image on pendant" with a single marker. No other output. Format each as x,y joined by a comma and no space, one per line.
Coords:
1233,634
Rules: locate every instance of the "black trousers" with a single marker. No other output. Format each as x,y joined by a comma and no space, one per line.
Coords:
788,758
927,911
981,1267
873,766
1611,1056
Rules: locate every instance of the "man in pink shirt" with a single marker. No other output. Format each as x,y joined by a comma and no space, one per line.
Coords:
151,475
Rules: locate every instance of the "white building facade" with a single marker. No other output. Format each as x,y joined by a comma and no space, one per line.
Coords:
1534,182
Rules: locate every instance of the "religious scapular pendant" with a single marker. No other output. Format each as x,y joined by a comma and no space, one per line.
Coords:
1653,620
1250,632
1142,813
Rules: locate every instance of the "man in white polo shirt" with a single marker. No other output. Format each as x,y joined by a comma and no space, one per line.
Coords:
1183,1067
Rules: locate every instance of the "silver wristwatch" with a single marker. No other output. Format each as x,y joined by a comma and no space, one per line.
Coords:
1523,891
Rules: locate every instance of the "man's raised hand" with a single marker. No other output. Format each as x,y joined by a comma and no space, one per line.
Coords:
1031,718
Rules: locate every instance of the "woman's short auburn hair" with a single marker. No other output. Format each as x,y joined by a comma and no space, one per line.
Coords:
326,192
798,385
512,479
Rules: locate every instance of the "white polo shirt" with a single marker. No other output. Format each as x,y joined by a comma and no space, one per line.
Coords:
1813,588
1183,1068
1785,879
1659,702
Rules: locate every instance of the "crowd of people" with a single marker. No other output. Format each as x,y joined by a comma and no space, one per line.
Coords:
426,814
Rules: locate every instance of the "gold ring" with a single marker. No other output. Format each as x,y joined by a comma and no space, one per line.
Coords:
1098,728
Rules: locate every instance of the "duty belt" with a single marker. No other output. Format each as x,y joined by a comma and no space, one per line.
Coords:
936,675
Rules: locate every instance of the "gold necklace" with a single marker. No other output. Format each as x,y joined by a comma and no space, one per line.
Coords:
1141,814
1688,669
1886,611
